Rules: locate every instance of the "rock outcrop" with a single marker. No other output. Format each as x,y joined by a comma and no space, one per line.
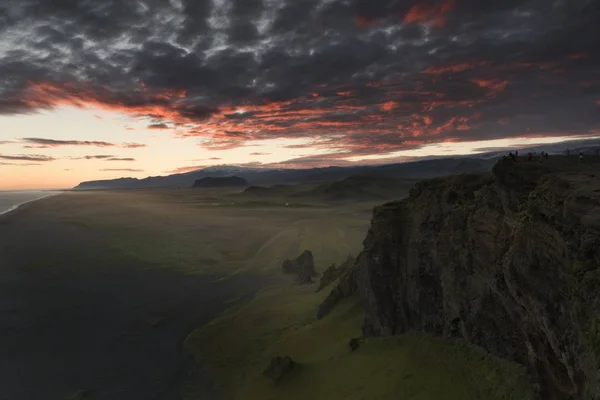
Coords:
303,266
278,367
509,261
333,272
346,287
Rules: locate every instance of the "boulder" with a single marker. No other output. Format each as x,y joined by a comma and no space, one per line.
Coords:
278,367
303,266
354,343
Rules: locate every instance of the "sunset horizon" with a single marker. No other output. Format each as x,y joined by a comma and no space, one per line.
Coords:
154,88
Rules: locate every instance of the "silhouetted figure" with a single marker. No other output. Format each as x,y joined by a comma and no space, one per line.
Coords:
511,155
546,156
517,153
580,156
529,157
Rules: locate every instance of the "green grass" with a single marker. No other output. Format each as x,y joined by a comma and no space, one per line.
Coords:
179,230
280,321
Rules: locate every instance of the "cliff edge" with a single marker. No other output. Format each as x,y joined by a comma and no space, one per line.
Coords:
509,261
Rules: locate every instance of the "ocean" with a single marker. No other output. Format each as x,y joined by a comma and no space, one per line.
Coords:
11,200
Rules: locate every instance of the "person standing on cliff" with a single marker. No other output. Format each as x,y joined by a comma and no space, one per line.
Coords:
580,156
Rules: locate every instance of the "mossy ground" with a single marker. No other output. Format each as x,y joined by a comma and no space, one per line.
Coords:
280,321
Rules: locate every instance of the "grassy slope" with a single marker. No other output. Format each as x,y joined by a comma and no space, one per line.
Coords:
280,321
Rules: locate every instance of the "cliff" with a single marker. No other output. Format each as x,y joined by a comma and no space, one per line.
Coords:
226,181
509,261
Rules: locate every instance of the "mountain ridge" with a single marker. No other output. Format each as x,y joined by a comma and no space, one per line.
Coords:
256,176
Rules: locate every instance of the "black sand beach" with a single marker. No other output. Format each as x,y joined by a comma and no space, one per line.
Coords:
80,319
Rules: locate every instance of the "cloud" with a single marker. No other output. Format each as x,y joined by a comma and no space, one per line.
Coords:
27,157
122,169
45,143
358,77
433,14
258,153
133,145
42,143
95,157
158,126
6,142
120,159
182,170
20,164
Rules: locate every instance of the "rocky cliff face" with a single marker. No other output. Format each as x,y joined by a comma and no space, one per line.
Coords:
508,261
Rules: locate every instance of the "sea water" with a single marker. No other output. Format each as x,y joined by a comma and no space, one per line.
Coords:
9,201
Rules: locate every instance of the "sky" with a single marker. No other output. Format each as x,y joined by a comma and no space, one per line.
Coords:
104,89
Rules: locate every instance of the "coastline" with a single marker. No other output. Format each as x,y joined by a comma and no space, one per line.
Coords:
112,325
17,206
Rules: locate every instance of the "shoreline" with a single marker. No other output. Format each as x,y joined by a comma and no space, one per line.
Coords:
111,325
16,207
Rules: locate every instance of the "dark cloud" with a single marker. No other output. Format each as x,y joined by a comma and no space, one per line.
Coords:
40,143
158,126
133,145
120,159
358,76
44,143
258,153
27,157
95,157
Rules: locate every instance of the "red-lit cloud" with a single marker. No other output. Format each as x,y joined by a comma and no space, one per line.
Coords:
429,12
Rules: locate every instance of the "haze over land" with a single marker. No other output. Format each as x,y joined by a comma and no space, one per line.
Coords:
94,91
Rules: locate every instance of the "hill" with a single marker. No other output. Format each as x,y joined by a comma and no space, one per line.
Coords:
227,181
361,187
255,176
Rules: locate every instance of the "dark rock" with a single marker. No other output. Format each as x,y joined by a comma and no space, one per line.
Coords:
278,367
330,275
508,261
354,343
344,289
303,266
333,272
227,181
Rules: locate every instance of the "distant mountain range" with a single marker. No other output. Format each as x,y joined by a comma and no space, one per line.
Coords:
256,176
411,170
